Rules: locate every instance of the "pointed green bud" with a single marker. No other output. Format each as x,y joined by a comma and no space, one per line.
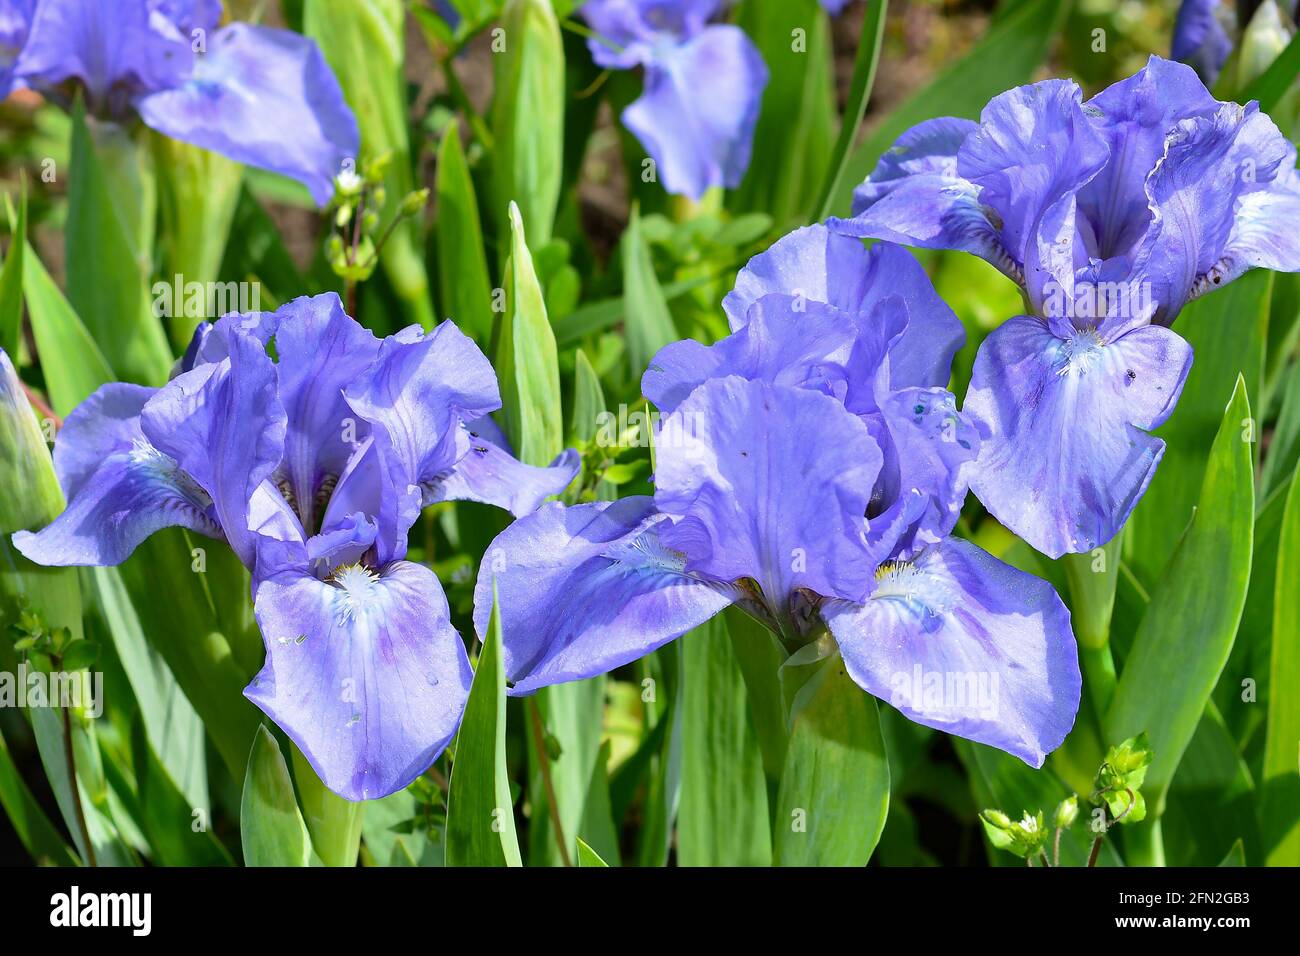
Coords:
1067,811
414,202
1266,36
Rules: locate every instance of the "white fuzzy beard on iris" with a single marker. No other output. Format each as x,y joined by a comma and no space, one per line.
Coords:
358,588
920,590
1080,353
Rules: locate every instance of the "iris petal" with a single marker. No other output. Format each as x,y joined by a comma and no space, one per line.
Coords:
1064,454
364,672
265,97
959,641
769,483
585,589
120,488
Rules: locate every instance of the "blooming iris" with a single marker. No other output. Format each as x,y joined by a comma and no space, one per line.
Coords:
703,86
313,467
1205,33
1111,215
261,96
809,469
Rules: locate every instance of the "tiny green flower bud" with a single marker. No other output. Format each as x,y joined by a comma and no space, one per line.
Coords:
1066,812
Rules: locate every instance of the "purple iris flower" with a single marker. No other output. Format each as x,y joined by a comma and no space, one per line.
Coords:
1205,31
703,86
261,96
313,466
1111,215
809,468
1200,38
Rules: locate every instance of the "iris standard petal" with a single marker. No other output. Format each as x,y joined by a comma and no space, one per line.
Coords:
120,488
1135,116
959,641
930,448
320,350
1264,233
1064,450
628,31
364,672
1034,150
264,97
785,342
698,142
585,589
112,48
1211,166
769,483
225,427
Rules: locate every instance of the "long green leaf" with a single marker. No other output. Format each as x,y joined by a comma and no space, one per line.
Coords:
11,283
647,323
864,78
1280,800
723,817
834,793
528,117
109,241
480,813
38,835
1185,636
271,828
70,360
526,360
463,287
796,123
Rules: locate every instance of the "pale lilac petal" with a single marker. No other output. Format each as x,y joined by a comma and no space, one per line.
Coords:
697,141
1065,453
224,425
120,488
264,97
769,483
958,641
585,589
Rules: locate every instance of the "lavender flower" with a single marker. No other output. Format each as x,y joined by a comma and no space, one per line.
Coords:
809,469
1111,215
261,96
703,86
313,467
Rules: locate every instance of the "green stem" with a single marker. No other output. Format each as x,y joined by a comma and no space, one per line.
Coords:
334,823
1098,677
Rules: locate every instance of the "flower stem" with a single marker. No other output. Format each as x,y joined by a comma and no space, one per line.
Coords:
544,764
76,790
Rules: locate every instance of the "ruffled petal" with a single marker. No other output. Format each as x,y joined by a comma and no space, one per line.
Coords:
785,342
1034,150
927,454
958,641
1264,233
915,196
264,97
1064,450
120,488
585,589
698,142
224,425
1134,115
769,483
414,397
1211,165
814,264
364,672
